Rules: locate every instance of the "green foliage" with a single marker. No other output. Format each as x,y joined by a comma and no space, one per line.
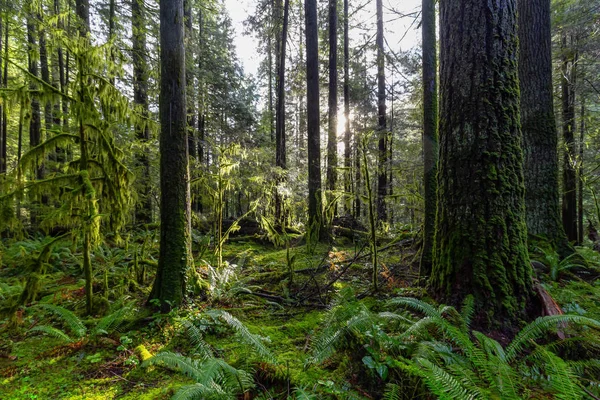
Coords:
215,379
453,361
76,326
558,266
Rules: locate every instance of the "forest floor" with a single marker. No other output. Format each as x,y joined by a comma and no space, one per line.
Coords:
256,286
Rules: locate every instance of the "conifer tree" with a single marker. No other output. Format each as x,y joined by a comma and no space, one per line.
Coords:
175,255
480,240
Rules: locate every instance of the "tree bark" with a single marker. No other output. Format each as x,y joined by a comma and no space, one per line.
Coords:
580,176
540,136
313,119
174,256
480,242
280,145
3,135
333,101
143,210
382,187
569,200
430,133
347,133
35,122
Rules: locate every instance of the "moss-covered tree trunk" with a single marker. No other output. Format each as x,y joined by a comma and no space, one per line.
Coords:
170,282
480,240
280,142
540,136
333,98
382,177
2,116
143,210
430,139
347,134
313,119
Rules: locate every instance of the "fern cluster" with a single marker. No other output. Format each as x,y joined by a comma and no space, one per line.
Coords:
436,346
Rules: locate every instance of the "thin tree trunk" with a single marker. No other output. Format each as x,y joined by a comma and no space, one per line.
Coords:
280,145
430,131
382,187
481,238
189,77
569,203
580,174
35,123
143,211
313,119
3,135
347,133
333,101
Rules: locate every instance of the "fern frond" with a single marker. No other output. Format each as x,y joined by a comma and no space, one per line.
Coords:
444,385
253,340
51,331
174,361
199,391
392,392
542,325
112,321
72,321
467,310
196,338
415,305
562,380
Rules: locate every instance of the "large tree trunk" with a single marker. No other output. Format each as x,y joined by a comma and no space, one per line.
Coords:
382,187
569,200
174,257
540,137
430,134
333,101
480,243
280,145
313,119
189,77
143,210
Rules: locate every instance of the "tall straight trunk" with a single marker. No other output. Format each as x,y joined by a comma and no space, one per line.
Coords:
540,136
280,145
143,211
569,201
333,101
580,175
382,187
313,118
174,256
3,135
197,205
35,121
347,133
189,78
111,33
430,131
481,238
45,71
270,77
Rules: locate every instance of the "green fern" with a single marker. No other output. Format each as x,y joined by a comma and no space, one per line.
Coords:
215,379
52,331
541,326
254,341
72,321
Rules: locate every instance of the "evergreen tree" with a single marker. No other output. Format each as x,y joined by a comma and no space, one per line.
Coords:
174,258
480,240
540,136
430,121
313,119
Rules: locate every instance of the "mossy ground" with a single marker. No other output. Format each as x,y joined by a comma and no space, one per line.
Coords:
34,366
